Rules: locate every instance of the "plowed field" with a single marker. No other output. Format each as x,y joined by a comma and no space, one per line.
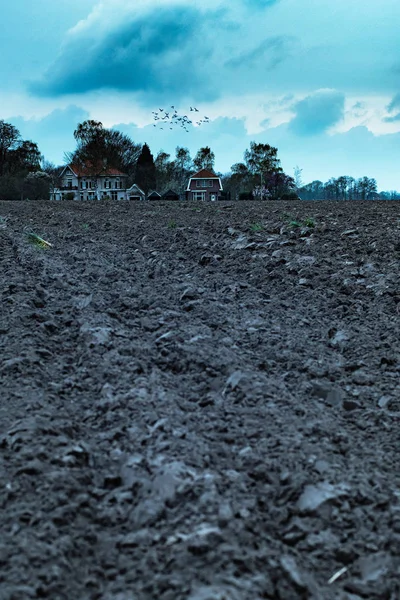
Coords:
200,402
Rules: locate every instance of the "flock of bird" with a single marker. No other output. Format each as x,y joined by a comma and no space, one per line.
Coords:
173,119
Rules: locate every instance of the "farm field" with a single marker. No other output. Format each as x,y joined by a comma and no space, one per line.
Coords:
200,401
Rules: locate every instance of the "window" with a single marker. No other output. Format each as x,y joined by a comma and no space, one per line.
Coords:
114,195
210,183
199,196
107,184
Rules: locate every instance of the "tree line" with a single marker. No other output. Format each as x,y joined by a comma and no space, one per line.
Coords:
24,173
345,188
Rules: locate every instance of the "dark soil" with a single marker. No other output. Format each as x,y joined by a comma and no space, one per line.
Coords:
200,402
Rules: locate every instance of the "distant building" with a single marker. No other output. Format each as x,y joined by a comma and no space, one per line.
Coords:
170,195
204,185
135,193
154,196
91,183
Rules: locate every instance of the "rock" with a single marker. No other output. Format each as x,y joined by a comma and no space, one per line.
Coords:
384,401
225,514
289,565
363,378
374,566
332,396
349,404
315,496
233,380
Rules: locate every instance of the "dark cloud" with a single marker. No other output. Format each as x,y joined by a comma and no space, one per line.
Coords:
316,113
268,54
391,107
392,119
395,103
161,52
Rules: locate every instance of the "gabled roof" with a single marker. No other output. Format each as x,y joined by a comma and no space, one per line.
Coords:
204,174
135,187
154,193
90,170
170,193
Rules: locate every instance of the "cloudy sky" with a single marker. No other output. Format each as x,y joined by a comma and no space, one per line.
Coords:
318,79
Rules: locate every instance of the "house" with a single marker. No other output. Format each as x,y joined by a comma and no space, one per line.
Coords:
154,196
170,195
204,185
89,182
135,193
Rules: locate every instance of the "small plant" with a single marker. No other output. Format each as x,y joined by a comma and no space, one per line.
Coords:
295,223
256,227
85,226
309,222
172,224
38,241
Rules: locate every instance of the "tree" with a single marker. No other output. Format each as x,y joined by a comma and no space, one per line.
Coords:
262,160
239,181
297,177
367,188
16,154
25,157
37,185
98,146
278,184
182,167
164,170
204,159
10,138
146,170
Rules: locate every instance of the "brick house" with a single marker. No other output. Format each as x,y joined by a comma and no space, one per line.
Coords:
91,183
204,185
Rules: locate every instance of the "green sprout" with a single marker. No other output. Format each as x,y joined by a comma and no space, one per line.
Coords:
256,227
309,222
38,241
172,224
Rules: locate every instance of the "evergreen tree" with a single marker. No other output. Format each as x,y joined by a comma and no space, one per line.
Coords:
146,176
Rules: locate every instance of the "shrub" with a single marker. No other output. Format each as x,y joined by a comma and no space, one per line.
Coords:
246,196
290,196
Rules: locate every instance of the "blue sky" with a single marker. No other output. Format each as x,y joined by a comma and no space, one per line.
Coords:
318,79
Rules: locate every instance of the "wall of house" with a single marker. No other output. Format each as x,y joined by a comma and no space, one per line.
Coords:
209,190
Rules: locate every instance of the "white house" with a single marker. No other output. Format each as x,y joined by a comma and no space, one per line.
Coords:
91,183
